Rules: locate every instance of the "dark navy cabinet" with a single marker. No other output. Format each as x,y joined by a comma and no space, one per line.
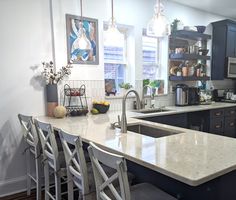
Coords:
223,46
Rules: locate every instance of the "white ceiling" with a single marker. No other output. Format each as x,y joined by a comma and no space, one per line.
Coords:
225,8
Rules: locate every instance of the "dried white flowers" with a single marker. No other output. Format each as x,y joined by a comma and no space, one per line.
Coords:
53,77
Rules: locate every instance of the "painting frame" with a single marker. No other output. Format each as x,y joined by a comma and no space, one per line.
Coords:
76,55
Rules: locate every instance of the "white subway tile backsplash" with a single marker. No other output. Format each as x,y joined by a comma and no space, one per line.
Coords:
95,90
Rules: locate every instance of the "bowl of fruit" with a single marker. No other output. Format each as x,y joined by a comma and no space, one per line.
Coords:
100,107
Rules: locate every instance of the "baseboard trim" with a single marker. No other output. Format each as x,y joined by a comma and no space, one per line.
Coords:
12,186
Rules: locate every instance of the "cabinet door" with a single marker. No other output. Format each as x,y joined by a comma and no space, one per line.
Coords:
231,41
230,127
217,125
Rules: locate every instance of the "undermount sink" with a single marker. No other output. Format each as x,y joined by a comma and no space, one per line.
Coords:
150,130
152,110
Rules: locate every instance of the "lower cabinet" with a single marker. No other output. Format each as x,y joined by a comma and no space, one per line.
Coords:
223,121
216,121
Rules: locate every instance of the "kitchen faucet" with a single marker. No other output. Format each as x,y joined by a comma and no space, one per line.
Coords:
143,103
123,122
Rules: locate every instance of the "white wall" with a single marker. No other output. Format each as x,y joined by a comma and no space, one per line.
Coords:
25,40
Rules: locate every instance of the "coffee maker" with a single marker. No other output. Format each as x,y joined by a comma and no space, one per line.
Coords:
193,96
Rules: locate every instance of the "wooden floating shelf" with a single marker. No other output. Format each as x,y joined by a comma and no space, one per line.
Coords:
194,35
183,56
189,78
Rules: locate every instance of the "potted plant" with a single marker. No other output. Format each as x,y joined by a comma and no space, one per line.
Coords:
124,87
52,78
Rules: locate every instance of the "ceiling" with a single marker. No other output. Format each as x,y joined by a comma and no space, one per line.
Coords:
225,8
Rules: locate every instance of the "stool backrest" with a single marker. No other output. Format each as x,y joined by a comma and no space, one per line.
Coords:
75,160
30,134
104,186
49,144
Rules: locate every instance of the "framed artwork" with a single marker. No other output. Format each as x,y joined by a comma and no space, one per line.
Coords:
74,53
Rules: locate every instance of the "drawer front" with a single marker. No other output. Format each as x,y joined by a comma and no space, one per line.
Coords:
230,127
217,126
230,111
217,113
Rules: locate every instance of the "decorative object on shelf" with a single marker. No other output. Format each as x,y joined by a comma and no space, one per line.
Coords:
52,78
82,31
59,112
75,100
112,33
203,52
176,25
158,26
100,107
201,29
110,88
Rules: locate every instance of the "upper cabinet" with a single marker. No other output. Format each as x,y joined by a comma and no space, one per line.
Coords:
223,46
188,55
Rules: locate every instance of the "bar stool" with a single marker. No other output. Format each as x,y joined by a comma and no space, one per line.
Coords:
80,172
53,160
104,183
33,149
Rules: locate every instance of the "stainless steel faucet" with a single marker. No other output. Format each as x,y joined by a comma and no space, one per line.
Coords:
143,103
123,122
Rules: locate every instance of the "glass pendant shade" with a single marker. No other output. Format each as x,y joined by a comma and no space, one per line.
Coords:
112,34
83,41
158,26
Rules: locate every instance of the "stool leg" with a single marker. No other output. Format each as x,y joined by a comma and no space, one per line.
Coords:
46,177
28,168
38,179
70,186
57,186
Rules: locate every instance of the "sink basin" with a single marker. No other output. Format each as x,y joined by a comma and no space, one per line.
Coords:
152,110
150,130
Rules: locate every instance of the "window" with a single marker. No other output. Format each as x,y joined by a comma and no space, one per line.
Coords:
150,59
114,64
155,63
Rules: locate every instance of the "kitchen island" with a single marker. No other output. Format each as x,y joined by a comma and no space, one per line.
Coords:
189,165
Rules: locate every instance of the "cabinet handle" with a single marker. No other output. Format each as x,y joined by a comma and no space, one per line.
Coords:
231,124
218,126
218,114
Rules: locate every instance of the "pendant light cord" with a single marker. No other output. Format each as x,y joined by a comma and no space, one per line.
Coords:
81,10
112,12
52,34
159,5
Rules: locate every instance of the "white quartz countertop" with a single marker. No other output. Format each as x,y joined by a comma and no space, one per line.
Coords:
192,157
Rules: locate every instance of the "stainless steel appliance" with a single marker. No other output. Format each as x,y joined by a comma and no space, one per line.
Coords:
193,96
181,95
231,68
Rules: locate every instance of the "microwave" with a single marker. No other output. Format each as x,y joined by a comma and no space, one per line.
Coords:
231,67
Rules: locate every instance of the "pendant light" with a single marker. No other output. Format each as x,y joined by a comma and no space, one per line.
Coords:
112,34
158,26
83,42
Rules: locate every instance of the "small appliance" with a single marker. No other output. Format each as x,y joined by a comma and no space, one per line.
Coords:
181,95
231,67
193,96
218,95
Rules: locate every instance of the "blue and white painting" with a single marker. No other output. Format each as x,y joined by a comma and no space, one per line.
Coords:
90,28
